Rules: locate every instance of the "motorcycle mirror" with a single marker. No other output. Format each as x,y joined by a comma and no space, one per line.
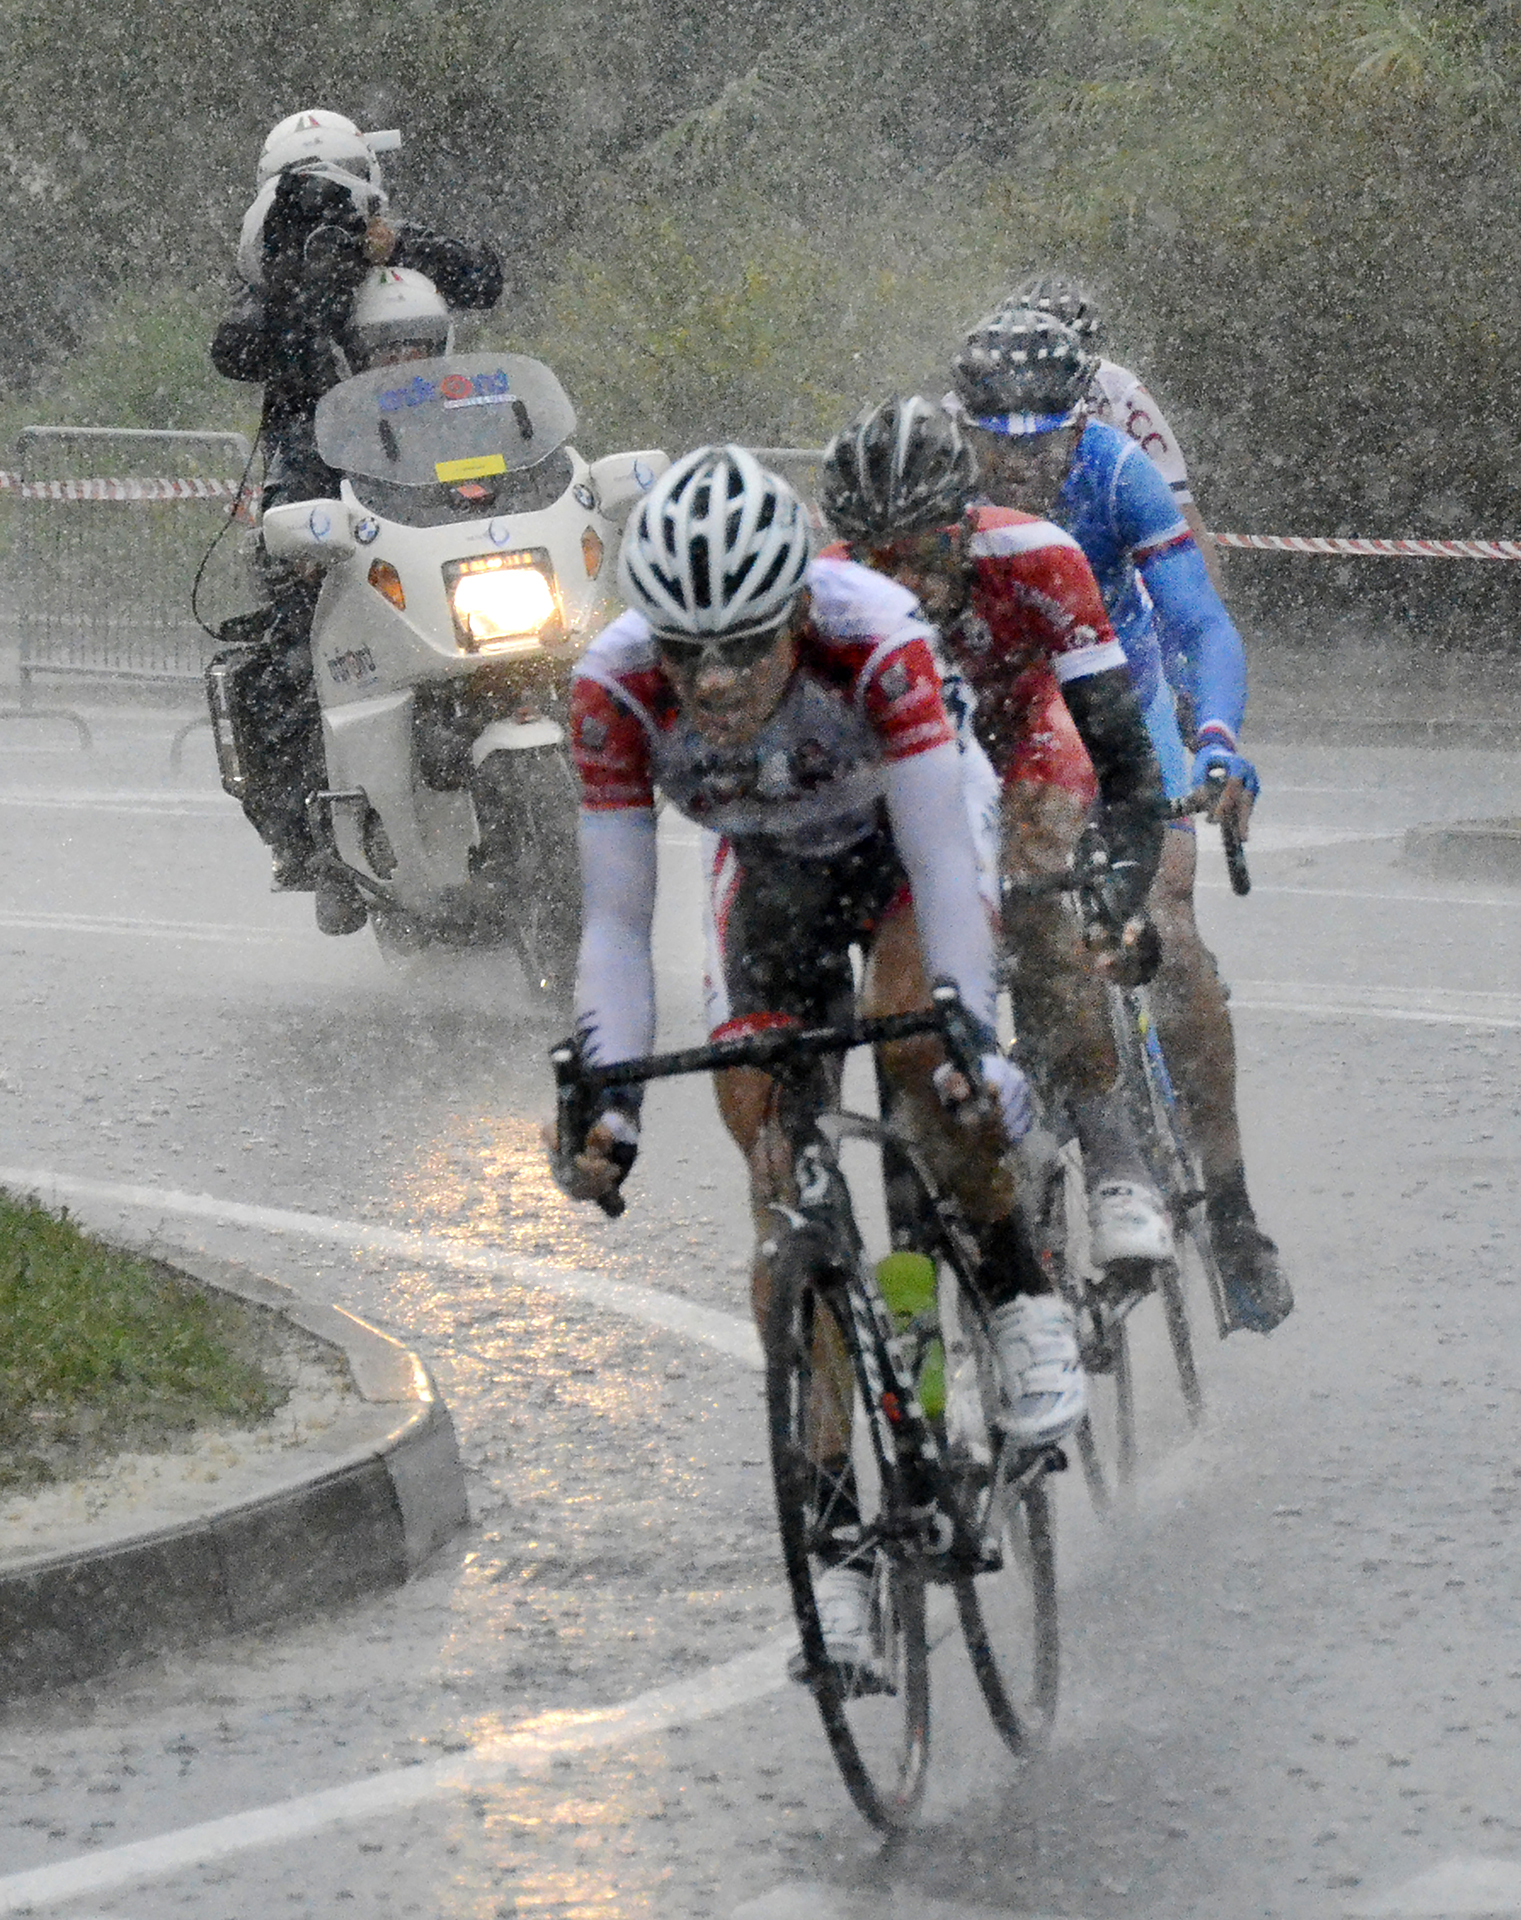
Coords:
321,530
619,479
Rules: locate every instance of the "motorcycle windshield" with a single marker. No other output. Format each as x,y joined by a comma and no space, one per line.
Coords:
430,423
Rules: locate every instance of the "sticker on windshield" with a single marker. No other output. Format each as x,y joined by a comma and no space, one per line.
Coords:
476,469
455,389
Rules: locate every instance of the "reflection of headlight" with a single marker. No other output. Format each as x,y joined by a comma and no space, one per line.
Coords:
504,602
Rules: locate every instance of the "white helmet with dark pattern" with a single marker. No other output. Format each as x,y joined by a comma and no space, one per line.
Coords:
719,547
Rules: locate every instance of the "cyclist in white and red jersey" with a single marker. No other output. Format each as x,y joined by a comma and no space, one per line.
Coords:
1120,397
1021,619
793,708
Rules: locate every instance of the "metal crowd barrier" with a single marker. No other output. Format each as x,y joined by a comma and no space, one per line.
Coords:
100,567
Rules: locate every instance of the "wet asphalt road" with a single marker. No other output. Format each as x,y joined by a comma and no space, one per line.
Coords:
1292,1675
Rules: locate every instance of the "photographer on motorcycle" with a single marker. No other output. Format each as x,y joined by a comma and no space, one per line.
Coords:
316,232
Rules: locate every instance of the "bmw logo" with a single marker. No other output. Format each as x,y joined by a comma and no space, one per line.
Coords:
497,533
366,531
584,496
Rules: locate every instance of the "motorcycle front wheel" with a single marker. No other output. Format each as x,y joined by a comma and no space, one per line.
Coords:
534,803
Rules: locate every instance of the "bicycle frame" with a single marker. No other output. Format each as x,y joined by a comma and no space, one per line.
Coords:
909,1450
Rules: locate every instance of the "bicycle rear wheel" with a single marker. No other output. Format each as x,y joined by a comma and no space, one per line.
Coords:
877,1722
1009,1613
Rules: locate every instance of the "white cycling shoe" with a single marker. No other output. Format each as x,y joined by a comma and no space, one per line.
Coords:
843,1598
1046,1389
1127,1221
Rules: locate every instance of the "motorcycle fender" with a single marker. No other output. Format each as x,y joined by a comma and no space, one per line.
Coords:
516,736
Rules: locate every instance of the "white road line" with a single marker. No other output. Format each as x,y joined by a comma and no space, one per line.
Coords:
1482,1888
136,929
1436,1006
725,1332
1366,893
128,801
815,1900
737,1683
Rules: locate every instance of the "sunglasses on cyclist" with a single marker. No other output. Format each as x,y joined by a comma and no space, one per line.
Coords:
684,654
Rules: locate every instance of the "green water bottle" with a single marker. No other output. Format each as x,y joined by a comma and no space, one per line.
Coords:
907,1281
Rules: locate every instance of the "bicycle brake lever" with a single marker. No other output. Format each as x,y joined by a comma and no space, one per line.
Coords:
575,1111
1235,853
963,1042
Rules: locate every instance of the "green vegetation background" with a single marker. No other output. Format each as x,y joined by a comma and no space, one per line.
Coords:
723,220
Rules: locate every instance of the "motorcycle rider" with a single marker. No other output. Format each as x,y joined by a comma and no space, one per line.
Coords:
318,226
1021,390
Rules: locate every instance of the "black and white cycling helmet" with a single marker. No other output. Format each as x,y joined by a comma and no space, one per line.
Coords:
1022,372
719,547
897,469
1063,298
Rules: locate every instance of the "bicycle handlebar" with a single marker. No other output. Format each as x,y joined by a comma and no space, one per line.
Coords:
578,1081
1090,873
1200,801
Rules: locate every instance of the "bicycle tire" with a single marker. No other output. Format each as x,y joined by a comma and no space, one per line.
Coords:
880,1740
1010,1623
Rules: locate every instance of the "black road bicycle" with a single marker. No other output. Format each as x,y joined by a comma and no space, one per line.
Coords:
1104,1302
864,1477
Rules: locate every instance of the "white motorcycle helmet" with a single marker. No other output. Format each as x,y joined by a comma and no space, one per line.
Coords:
314,142
398,315
718,549
316,138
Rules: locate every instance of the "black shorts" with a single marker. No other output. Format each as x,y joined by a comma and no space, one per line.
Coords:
780,929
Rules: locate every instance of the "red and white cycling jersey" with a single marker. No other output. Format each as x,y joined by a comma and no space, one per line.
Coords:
1119,398
866,694
1035,621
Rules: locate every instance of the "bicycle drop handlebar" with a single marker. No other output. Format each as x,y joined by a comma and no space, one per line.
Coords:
1088,872
1200,801
578,1081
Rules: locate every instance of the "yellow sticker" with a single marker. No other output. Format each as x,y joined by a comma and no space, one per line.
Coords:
476,469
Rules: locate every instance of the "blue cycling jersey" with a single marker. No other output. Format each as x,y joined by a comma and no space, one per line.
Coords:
1166,614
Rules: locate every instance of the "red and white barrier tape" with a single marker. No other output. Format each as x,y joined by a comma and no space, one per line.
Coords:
145,489
1374,549
127,489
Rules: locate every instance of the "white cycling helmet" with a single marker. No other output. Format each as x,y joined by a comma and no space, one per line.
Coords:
398,314
317,137
719,547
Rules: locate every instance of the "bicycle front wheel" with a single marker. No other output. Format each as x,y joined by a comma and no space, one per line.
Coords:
1009,1617
829,1499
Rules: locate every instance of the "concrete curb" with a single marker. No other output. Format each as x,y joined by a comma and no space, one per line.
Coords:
1466,850
359,1523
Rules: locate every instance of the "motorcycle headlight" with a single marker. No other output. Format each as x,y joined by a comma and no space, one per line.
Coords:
505,603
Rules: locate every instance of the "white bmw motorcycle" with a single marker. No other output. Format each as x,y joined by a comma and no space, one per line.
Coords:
467,562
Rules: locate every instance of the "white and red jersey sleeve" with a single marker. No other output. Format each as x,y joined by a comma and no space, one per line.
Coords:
1035,594
619,698
868,636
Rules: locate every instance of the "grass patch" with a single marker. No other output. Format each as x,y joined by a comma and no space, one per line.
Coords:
101,1351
